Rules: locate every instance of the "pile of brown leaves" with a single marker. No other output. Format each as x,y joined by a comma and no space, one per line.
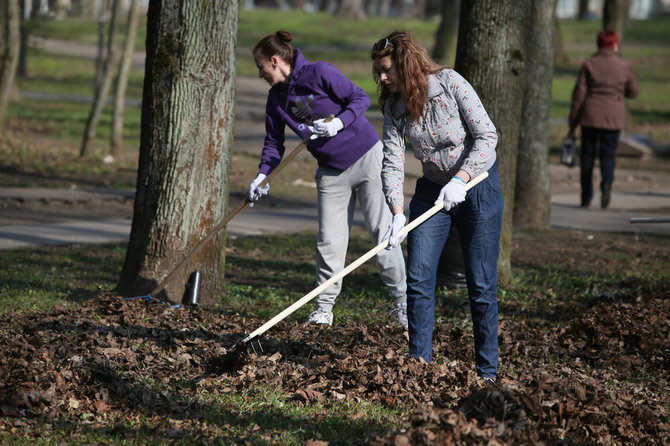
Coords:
583,383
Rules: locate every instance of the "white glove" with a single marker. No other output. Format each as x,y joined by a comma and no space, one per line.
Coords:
256,192
452,193
322,128
394,228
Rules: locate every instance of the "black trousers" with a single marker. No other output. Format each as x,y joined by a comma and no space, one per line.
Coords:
603,143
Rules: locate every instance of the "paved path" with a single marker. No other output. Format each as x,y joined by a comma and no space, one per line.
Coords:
266,219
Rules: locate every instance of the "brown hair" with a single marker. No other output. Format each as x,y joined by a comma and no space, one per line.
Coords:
276,44
413,64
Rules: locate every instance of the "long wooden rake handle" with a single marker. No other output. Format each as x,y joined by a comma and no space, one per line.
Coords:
233,213
355,264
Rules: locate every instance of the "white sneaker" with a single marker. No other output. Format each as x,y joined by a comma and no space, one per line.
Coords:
400,312
321,317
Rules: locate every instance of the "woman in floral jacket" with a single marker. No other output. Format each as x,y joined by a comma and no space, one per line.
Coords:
436,112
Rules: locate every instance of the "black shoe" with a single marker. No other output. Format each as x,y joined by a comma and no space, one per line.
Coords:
585,204
606,195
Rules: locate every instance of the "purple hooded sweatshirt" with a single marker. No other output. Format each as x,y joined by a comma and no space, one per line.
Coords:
316,90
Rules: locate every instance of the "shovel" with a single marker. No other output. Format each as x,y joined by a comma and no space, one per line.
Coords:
229,217
236,351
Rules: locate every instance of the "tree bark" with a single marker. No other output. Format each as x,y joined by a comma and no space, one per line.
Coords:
186,136
101,93
560,57
350,10
100,57
10,21
613,17
532,204
122,78
447,32
490,55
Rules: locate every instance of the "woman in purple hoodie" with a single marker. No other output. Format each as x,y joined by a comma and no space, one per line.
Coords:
349,156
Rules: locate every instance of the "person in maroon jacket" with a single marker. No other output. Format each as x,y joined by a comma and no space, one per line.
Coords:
598,105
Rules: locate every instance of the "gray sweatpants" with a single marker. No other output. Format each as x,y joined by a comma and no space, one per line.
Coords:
338,192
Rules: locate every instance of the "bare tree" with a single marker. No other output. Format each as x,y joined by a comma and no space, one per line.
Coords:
122,78
102,91
490,55
532,203
10,21
186,136
560,56
101,54
447,33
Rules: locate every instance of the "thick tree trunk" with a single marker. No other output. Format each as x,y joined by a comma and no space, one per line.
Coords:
490,55
101,93
447,33
187,132
10,21
122,78
532,204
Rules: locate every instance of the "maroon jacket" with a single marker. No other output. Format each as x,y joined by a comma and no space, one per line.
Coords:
604,81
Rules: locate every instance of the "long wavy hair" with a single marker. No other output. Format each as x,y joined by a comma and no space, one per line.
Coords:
276,44
413,65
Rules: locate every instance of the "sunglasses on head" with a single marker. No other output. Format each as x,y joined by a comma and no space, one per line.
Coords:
381,44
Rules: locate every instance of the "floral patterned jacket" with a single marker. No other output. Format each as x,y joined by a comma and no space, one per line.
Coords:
454,133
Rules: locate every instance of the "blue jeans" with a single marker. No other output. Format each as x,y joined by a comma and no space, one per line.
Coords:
603,143
478,220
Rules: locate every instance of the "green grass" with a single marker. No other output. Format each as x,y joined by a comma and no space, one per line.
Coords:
39,278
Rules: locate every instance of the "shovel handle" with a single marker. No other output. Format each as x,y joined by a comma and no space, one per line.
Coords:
355,264
233,213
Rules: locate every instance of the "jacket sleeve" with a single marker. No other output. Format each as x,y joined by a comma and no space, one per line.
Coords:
352,98
480,126
273,148
578,96
393,164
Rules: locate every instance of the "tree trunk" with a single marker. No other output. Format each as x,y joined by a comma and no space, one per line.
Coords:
613,17
384,8
532,204
583,10
350,10
186,136
447,33
100,58
122,78
100,97
560,57
10,21
22,70
490,55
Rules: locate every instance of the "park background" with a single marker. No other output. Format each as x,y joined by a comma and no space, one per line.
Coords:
583,322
